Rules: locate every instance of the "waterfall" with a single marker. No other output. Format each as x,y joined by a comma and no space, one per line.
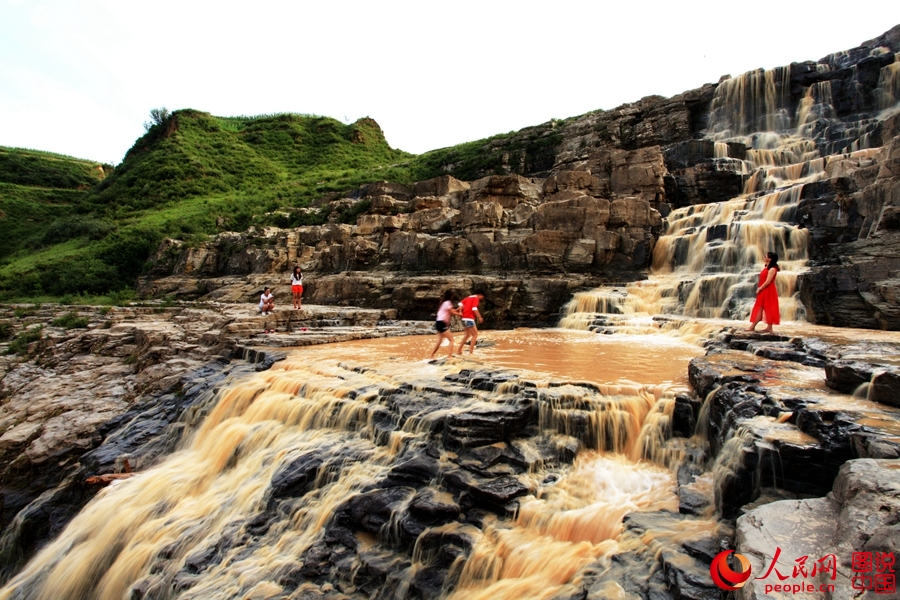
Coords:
254,493
755,101
889,85
816,105
706,262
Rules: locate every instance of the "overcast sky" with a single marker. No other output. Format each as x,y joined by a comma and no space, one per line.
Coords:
80,77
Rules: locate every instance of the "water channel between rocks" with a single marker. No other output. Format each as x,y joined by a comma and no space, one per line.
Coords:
363,468
327,401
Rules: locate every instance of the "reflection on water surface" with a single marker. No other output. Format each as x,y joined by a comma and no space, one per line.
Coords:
557,353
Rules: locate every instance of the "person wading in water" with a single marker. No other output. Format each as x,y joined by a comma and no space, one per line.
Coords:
442,324
469,313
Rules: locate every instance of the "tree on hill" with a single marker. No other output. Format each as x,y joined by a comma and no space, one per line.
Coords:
158,116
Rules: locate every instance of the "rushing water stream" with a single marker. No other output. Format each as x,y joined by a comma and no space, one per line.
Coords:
318,398
215,519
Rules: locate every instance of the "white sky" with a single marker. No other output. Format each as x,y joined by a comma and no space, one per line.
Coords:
79,77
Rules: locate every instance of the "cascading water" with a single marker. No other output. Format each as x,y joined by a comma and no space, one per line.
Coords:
706,263
320,476
889,86
261,494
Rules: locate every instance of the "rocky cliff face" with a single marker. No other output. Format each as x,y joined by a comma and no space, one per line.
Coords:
854,218
528,241
582,202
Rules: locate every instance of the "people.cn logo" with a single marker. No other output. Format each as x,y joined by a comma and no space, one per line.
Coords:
724,576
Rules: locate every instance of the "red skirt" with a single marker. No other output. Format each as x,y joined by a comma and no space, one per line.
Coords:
766,303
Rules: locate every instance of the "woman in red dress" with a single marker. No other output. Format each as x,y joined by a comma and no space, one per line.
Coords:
766,306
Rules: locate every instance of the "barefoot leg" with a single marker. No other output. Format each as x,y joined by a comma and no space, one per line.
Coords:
437,345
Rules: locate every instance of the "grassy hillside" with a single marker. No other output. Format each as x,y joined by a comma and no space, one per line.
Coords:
283,157
77,227
48,170
75,230
44,202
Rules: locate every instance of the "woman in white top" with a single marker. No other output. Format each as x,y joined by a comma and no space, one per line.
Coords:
442,325
266,302
297,287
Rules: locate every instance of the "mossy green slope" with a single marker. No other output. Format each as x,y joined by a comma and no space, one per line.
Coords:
41,197
78,227
47,170
285,157
191,175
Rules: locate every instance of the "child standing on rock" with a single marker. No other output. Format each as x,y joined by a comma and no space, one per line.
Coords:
297,287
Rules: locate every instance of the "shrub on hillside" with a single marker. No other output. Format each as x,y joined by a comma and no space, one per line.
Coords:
74,227
70,275
22,312
158,116
70,320
127,251
83,275
348,214
300,218
20,344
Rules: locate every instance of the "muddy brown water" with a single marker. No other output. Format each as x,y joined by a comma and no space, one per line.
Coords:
553,353
223,471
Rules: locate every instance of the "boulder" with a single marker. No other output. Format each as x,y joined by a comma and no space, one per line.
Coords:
444,185
481,215
856,517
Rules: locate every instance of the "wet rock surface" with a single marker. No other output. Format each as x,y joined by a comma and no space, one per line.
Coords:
859,515
77,403
578,204
771,422
677,570
779,419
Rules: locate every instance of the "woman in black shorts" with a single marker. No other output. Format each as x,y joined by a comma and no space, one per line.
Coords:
442,325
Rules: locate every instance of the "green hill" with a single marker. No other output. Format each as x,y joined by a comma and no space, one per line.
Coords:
79,229
47,170
43,198
285,157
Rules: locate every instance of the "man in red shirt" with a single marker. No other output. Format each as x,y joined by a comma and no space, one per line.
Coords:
470,314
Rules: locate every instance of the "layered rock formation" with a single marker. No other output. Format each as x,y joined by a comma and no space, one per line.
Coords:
853,219
759,429
74,401
582,203
771,435
529,242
